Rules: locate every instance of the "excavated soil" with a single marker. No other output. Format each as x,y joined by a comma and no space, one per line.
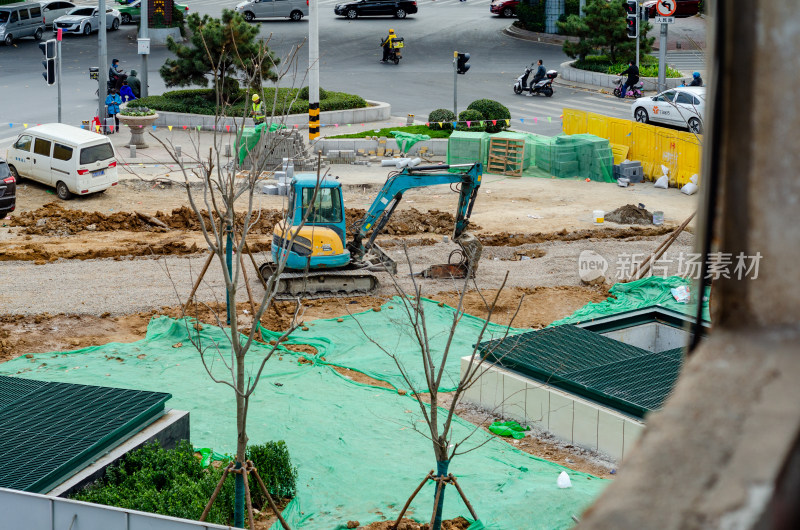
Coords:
630,215
513,240
459,523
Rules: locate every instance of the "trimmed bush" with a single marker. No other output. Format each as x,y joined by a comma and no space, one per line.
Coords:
275,468
446,117
323,94
174,482
472,116
203,101
491,110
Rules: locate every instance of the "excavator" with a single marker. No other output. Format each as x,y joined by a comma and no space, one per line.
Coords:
320,263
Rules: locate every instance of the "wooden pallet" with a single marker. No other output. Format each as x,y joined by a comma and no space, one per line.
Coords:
506,156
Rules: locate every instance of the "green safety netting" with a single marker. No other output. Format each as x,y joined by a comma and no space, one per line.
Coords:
467,148
355,446
564,156
406,141
390,327
251,136
652,291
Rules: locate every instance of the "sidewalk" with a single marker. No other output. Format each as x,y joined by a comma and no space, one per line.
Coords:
192,142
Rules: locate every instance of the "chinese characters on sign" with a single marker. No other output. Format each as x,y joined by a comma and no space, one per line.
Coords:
720,265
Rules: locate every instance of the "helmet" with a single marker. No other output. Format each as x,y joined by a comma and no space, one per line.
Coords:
391,31
255,97
696,74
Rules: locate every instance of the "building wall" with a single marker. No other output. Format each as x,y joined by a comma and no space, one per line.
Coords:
568,417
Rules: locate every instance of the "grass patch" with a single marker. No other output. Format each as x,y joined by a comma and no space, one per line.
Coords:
648,66
203,101
413,129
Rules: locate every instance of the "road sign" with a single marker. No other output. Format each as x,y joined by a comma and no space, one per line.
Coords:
666,8
664,20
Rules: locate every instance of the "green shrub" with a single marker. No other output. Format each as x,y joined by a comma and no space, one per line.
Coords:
444,116
472,116
275,468
648,66
167,482
323,94
491,110
531,16
203,101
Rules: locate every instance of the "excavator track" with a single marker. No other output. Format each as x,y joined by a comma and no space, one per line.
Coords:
318,284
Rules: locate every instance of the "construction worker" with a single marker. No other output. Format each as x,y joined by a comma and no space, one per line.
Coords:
387,45
258,117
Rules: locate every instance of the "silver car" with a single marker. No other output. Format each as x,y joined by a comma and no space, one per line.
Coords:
52,9
85,20
20,20
253,9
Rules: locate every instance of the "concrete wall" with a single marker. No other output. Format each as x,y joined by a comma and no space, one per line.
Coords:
572,419
23,510
653,336
376,111
568,73
437,146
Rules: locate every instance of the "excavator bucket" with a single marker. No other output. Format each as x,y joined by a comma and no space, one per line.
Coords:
470,254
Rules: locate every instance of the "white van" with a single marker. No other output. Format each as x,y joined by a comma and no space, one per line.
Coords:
73,160
253,9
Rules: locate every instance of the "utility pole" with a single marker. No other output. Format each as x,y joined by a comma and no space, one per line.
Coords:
144,45
662,58
102,52
313,65
58,69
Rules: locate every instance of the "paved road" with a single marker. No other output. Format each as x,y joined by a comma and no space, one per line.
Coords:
349,62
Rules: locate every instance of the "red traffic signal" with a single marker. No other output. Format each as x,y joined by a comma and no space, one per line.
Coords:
631,6
632,18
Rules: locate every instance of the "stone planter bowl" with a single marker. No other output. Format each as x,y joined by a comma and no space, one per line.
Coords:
137,125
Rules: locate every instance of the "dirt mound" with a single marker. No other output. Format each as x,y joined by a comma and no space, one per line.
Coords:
412,221
459,523
513,240
630,215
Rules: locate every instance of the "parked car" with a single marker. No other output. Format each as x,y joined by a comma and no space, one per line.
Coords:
85,20
8,190
681,106
52,9
360,8
504,8
20,20
253,9
132,11
73,160
684,8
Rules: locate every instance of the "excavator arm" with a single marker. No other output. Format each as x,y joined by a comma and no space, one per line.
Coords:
467,180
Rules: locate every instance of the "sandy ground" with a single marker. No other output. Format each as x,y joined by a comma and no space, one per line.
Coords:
91,270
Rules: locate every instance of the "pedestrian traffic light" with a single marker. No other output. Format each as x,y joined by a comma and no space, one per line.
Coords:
632,18
461,63
49,50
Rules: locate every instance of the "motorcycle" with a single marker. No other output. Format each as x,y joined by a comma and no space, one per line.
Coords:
543,87
635,91
396,50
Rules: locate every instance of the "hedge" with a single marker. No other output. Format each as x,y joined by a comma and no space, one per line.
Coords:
648,66
443,116
491,110
203,101
472,116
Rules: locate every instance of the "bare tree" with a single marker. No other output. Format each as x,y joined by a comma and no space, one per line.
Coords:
224,204
438,422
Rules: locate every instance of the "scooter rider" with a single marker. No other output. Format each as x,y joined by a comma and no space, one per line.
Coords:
387,45
633,77
116,75
541,73
696,79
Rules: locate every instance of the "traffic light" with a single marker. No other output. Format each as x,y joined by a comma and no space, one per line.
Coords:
49,50
461,63
632,18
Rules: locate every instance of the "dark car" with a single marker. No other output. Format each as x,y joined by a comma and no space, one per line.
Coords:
504,8
368,8
8,190
684,8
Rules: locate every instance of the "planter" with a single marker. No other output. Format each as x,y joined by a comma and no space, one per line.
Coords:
137,125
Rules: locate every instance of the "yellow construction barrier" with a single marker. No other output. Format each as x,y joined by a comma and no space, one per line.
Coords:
654,146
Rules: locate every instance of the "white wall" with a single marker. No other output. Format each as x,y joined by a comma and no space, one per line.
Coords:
571,418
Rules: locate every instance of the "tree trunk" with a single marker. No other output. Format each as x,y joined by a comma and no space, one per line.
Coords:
441,471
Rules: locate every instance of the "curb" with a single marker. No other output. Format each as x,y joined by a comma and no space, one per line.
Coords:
606,81
533,36
376,111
